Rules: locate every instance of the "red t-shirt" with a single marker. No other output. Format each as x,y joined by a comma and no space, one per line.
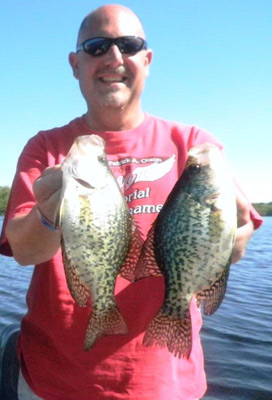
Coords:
146,161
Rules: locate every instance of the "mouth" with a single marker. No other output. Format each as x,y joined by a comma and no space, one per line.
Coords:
112,78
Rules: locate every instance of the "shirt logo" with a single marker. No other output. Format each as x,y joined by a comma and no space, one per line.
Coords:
144,173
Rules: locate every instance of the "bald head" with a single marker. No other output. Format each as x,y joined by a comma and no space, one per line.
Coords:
104,20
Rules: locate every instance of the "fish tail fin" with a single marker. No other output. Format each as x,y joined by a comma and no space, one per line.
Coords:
172,332
109,323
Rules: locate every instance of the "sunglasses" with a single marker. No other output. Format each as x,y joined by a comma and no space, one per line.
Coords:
98,46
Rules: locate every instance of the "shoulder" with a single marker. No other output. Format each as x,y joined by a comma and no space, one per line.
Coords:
59,134
53,144
162,122
189,135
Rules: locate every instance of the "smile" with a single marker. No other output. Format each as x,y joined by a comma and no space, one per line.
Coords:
113,79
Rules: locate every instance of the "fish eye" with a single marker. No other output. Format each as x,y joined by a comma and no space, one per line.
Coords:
102,160
195,168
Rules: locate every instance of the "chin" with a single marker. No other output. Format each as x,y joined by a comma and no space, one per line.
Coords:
113,101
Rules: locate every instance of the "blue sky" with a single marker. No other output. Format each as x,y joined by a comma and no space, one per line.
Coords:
212,67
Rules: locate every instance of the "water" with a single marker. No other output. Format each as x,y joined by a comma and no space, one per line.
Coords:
237,339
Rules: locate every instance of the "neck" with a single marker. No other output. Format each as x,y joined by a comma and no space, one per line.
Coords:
114,120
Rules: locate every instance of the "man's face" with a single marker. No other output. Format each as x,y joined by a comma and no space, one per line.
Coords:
114,79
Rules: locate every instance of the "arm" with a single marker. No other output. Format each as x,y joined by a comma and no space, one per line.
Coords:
245,229
31,242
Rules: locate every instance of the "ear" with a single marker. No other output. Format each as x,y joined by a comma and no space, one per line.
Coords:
148,59
73,60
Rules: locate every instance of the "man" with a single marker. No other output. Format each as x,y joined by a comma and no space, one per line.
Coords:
54,366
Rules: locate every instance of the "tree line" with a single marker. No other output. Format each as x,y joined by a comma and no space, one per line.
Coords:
4,194
264,209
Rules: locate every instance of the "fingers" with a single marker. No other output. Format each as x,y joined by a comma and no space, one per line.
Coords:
47,190
244,225
49,182
243,236
243,214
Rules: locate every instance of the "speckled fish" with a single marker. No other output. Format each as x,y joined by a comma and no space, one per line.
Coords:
98,235
191,244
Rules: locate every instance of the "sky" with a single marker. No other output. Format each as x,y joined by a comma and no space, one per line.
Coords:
212,67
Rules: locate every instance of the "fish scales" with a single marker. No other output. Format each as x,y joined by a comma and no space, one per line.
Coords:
97,235
191,242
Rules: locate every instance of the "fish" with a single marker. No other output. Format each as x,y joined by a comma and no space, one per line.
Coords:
99,239
190,244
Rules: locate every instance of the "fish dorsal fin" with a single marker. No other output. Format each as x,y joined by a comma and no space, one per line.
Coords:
147,265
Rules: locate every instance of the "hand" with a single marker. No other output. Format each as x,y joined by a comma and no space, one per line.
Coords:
244,228
47,190
32,243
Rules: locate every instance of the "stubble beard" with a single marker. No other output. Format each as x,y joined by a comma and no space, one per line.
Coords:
114,99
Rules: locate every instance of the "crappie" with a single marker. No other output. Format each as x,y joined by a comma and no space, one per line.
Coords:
98,235
191,243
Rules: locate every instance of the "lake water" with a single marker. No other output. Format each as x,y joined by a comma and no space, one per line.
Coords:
237,339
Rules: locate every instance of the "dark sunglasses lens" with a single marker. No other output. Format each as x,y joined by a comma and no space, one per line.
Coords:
97,46
130,45
126,44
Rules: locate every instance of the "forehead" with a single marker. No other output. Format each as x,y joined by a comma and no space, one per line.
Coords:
112,24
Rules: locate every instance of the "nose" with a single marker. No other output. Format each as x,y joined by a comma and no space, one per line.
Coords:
114,57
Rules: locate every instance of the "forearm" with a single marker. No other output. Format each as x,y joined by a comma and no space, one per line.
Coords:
243,236
245,228
31,242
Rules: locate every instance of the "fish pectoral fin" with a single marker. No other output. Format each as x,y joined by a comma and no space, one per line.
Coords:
79,291
59,212
110,322
214,295
128,268
147,265
171,331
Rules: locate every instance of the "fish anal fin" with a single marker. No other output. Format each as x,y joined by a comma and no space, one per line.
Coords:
128,268
172,332
214,295
147,265
108,323
79,291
